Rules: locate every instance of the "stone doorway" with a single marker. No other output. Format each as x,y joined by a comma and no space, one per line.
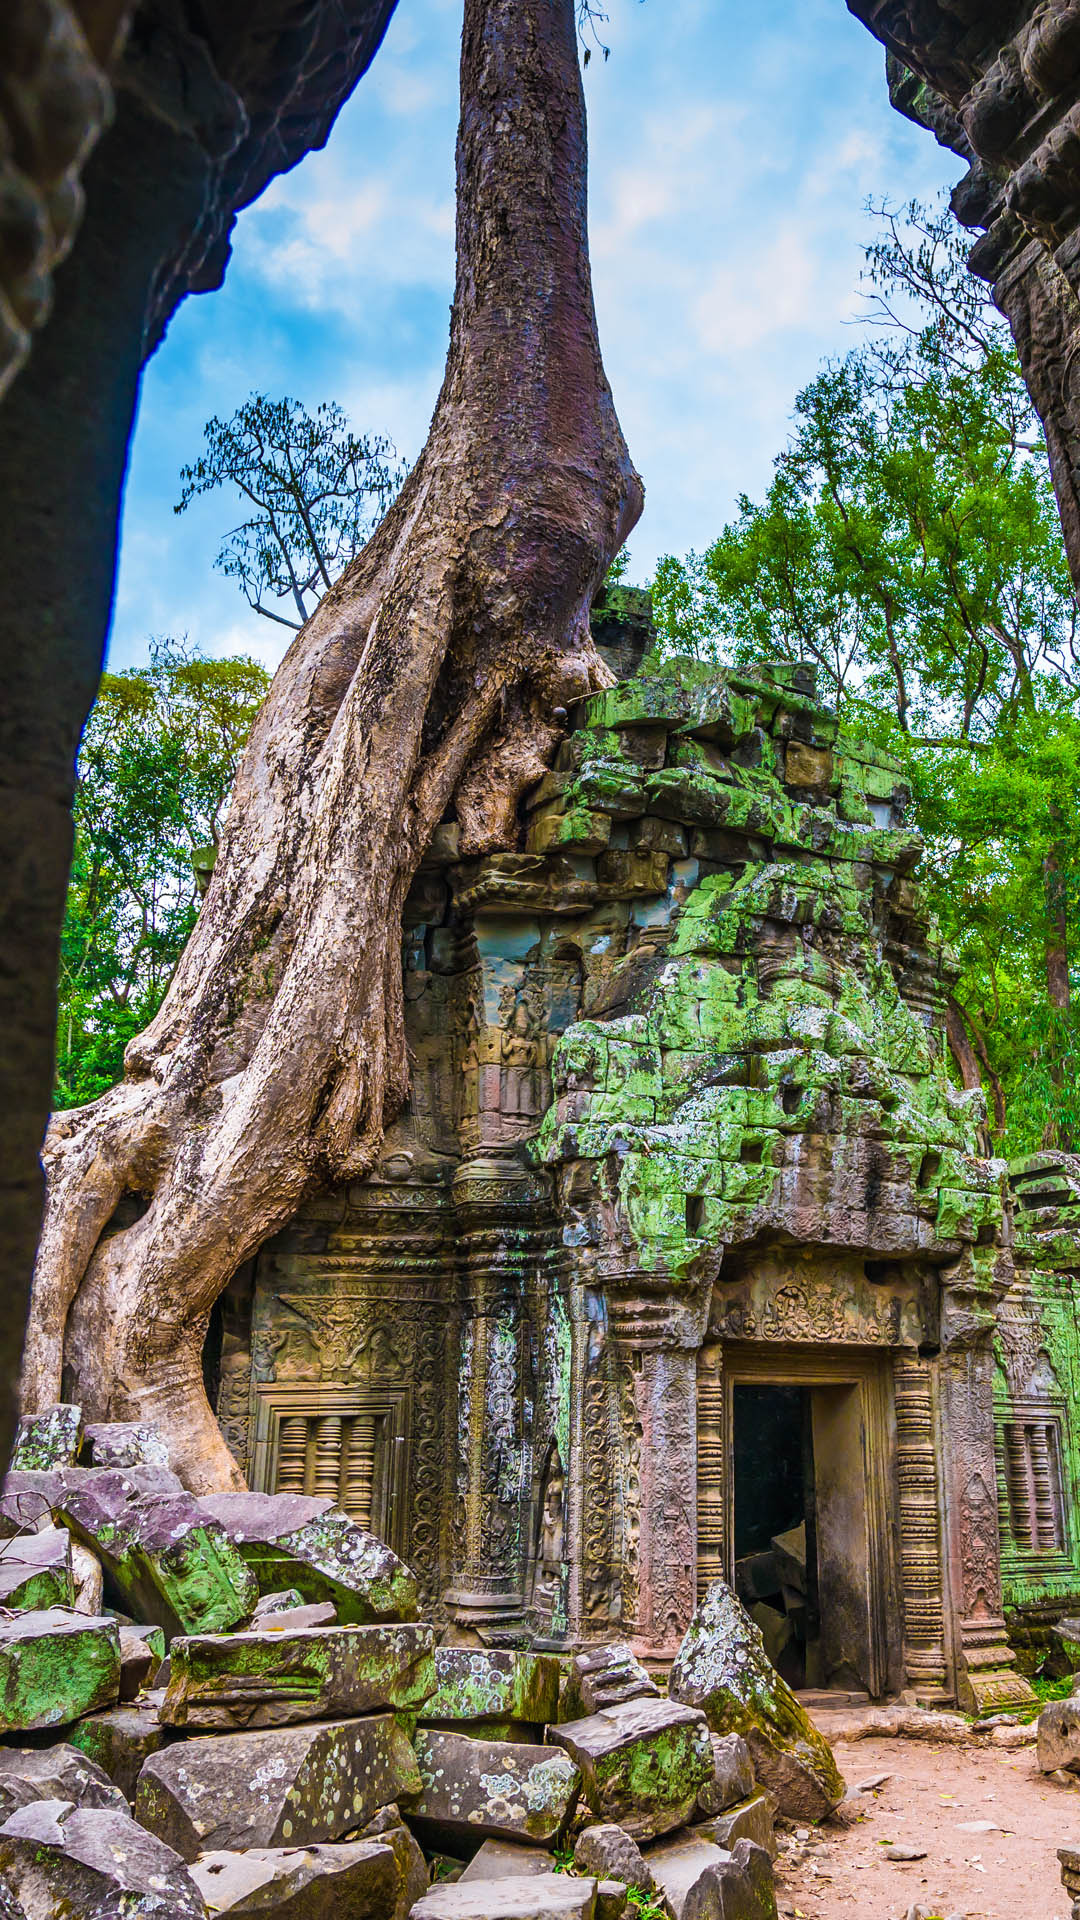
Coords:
806,1506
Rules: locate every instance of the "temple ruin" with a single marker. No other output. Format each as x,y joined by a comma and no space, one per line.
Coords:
688,1256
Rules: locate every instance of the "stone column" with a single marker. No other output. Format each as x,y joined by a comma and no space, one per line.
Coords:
921,1573
499,1210
657,1340
986,1677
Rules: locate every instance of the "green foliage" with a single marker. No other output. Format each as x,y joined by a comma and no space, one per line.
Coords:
314,489
1053,1689
155,768
909,546
648,1905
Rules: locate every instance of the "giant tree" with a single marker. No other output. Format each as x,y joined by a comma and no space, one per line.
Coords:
431,677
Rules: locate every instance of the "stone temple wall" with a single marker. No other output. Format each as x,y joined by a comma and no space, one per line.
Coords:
680,1120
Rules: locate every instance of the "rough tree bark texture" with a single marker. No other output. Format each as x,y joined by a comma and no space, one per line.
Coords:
430,676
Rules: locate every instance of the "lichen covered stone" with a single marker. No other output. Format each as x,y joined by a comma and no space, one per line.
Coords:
48,1439
722,1668
289,1785
643,1762
268,1679
291,1540
488,1789
480,1683
54,1667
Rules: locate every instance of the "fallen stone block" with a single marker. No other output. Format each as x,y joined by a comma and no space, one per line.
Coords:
53,1773
608,1852
749,1819
322,1882
732,1778
289,1597
612,1899
287,1786
490,1789
1057,1742
173,1565
738,1888
721,1667
643,1762
602,1677
478,1684
388,1826
142,1650
503,1860
269,1679
290,1540
54,1666
289,1609
96,1863
677,1866
121,1740
550,1896
36,1571
123,1443
48,1439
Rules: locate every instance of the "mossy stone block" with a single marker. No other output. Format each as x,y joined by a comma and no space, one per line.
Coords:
473,1683
55,1666
48,1439
259,1679
488,1789
643,1762
291,1540
723,1669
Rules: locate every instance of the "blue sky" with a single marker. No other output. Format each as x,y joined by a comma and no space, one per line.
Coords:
732,150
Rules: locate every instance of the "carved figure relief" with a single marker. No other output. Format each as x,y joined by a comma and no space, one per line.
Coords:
979,1545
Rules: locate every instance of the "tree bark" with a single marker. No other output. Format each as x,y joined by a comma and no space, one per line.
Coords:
429,677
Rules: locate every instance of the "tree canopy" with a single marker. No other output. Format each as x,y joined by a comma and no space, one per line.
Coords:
155,768
313,490
909,546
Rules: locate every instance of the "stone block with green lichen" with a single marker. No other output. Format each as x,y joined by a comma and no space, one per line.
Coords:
259,1679
480,1683
643,1762
54,1667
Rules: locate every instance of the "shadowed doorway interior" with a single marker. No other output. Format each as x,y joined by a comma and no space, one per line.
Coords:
800,1520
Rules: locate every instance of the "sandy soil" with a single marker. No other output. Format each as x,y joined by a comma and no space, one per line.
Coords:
1004,1870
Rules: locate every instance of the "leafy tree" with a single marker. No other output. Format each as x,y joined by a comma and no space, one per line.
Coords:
156,764
909,545
315,490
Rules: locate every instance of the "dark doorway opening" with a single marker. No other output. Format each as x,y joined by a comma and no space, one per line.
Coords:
775,1530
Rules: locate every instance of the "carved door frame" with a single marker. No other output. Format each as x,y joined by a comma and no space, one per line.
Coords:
870,1373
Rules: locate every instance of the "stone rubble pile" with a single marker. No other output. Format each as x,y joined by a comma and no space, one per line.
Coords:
228,1705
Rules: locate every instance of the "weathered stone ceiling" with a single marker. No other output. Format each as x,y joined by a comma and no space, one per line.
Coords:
255,83
1000,84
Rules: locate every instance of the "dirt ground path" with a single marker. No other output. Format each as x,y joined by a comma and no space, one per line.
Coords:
937,1798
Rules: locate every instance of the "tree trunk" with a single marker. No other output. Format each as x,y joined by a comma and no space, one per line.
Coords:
428,678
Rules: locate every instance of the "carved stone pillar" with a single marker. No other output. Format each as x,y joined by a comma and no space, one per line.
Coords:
657,1340
986,1677
921,1572
501,1236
